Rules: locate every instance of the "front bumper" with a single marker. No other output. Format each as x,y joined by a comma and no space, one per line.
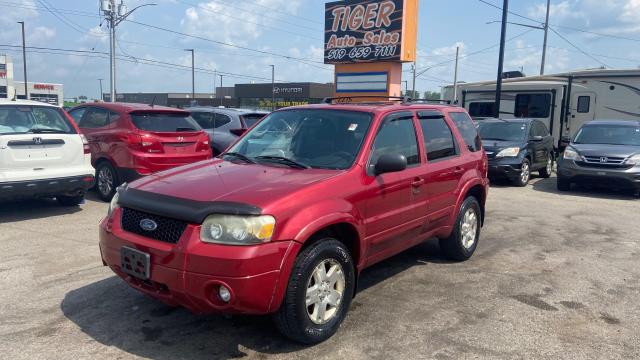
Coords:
508,167
189,273
70,186
627,178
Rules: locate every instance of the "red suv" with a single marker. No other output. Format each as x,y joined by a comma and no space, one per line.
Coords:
132,140
286,219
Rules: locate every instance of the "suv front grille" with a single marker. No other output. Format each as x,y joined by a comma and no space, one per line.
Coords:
167,230
603,162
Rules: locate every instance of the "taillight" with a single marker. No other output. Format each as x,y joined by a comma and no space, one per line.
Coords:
85,144
144,143
204,144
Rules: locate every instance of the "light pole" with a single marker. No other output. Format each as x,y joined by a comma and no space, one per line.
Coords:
115,16
406,87
24,61
455,77
101,93
220,79
193,74
273,87
503,35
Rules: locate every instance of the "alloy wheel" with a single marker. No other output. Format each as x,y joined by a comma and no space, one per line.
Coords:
325,290
105,181
469,228
525,173
549,165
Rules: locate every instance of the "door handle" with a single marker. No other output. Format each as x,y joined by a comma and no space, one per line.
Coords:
458,170
417,182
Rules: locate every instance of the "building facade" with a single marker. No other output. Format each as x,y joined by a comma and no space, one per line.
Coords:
9,88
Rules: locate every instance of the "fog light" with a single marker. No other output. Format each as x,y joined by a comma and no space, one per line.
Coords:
224,294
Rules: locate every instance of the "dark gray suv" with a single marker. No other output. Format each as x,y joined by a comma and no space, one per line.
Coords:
224,125
602,153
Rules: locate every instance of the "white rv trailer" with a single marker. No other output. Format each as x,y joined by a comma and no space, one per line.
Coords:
563,101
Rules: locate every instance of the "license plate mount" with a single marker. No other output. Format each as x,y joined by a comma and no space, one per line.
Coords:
135,263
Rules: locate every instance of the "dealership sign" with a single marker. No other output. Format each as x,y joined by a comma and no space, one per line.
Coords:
43,87
366,31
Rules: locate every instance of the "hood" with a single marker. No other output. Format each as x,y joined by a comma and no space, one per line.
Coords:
219,180
620,151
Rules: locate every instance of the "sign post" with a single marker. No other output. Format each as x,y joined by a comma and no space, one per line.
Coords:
367,41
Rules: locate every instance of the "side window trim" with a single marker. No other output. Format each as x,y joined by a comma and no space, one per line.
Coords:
400,115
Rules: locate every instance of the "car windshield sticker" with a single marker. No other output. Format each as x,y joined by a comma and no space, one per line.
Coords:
353,127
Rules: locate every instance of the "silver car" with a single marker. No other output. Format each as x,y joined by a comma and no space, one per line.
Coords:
224,125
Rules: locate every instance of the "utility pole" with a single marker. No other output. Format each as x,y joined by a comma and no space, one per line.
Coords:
115,15
503,35
406,87
546,32
215,91
413,91
455,78
273,87
24,61
101,93
193,74
220,79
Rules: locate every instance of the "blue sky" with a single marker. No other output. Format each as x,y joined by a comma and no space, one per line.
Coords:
294,28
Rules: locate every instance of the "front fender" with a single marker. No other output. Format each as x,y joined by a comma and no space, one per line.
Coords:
477,179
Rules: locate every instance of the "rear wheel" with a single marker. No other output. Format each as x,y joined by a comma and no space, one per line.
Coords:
106,181
548,169
463,241
70,200
525,174
319,293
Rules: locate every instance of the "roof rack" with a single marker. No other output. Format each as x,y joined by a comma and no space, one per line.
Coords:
404,100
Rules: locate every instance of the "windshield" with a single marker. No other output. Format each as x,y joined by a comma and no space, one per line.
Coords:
15,119
324,139
164,122
609,135
502,131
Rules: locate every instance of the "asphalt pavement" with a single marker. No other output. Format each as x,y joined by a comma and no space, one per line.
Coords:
555,276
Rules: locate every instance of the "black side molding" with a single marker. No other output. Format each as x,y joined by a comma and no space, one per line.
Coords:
192,211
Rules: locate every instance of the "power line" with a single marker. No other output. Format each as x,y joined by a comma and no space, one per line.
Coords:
66,21
283,12
597,33
577,48
59,10
264,52
510,12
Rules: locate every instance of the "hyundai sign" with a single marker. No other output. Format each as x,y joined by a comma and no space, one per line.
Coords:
369,30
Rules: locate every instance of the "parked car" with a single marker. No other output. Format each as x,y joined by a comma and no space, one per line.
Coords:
517,147
605,152
42,154
224,125
129,141
285,220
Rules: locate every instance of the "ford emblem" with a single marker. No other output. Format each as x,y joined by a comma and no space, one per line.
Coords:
148,225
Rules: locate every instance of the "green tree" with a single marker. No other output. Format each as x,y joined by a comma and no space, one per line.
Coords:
432,95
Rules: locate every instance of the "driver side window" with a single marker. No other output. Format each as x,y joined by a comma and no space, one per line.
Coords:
397,135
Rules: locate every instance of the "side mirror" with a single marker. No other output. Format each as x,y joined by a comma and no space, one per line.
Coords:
537,138
388,163
238,132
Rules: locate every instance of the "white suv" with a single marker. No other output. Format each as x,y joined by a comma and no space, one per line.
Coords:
42,154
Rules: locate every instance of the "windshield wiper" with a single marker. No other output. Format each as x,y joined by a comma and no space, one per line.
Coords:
51,131
284,160
240,156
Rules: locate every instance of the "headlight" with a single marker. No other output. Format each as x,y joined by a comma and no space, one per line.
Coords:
634,160
114,204
237,230
571,154
509,152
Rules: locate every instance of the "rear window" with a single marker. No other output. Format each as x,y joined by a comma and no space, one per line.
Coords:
164,122
15,119
251,119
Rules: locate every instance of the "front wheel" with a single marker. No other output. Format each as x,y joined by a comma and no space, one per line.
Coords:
106,181
525,174
463,241
319,293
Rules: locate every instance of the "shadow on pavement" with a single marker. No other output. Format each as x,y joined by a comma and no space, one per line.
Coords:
549,186
30,209
115,315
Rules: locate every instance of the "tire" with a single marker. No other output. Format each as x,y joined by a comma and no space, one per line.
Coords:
293,318
460,245
107,181
563,184
548,169
525,174
70,200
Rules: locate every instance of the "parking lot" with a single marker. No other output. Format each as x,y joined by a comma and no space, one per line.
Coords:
555,276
